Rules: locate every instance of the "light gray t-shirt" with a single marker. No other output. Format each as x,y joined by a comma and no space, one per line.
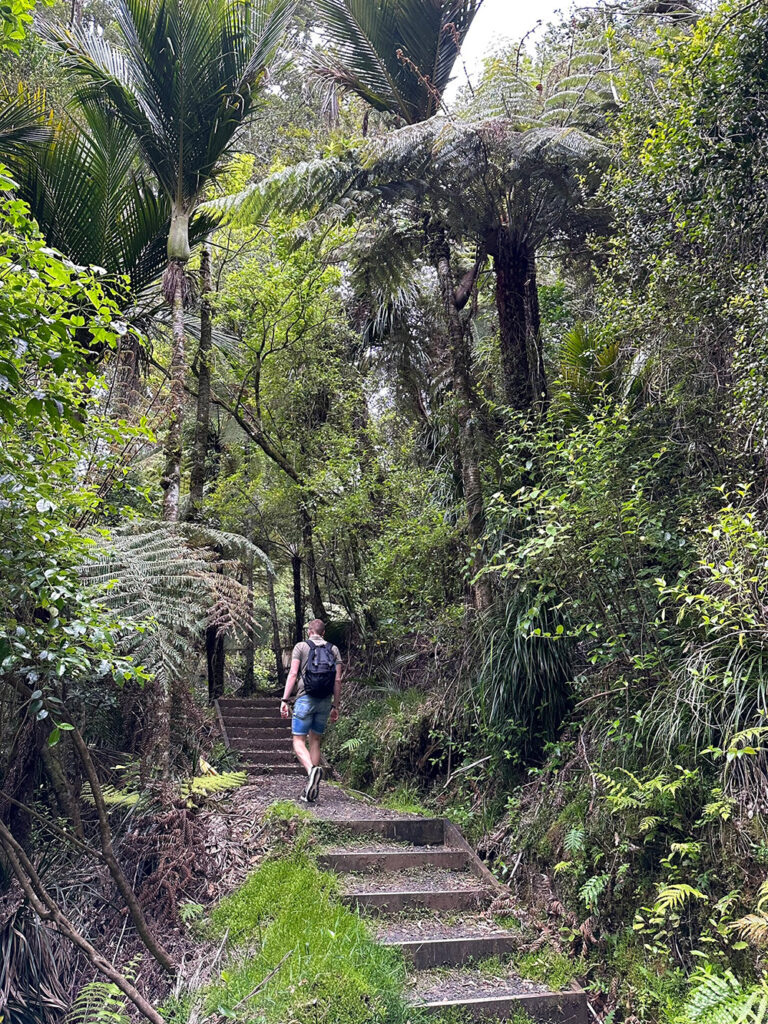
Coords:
301,654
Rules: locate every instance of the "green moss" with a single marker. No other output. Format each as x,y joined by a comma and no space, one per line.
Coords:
286,919
548,967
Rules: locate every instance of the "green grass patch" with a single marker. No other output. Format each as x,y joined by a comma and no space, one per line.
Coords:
286,918
405,800
548,967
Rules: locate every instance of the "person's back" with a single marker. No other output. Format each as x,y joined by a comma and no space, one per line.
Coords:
316,675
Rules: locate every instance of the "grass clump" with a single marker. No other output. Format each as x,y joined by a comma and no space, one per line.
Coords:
286,919
546,966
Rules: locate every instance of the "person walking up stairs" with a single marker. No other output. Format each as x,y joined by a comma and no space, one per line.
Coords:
316,672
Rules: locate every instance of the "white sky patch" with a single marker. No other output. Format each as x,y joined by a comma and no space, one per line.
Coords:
500,22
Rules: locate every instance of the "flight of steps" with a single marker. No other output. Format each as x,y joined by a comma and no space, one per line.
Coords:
427,890
252,726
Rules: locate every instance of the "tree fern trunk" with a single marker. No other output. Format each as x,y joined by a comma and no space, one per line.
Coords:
171,481
466,417
202,421
510,262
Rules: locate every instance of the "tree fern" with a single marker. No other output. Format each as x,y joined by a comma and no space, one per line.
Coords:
168,587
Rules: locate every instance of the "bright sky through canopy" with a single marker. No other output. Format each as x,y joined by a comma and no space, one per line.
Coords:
499,21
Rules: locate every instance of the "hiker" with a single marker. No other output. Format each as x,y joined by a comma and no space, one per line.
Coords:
317,666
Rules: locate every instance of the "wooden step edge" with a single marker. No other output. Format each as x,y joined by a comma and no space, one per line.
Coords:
395,860
452,951
419,831
434,899
455,837
567,1007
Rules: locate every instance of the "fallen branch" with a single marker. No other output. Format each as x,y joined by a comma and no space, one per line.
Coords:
47,909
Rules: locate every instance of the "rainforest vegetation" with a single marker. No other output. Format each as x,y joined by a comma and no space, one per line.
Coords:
298,320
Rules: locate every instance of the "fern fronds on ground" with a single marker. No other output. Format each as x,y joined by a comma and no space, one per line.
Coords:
722,999
205,785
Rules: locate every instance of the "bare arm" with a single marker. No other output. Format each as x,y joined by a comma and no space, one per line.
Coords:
337,693
290,682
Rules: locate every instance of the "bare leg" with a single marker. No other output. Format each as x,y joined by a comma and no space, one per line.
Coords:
301,751
315,740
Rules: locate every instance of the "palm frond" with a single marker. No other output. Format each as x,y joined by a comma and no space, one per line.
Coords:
24,124
397,55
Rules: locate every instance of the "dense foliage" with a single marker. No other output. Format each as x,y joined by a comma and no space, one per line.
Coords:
290,328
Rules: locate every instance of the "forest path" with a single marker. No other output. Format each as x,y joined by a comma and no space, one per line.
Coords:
418,880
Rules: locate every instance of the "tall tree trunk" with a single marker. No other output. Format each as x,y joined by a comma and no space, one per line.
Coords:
276,645
126,388
249,683
313,585
202,421
171,481
511,268
214,653
298,599
463,396
517,304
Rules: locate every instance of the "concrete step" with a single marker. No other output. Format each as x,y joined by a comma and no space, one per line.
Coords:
271,769
271,700
243,731
286,756
454,951
419,831
452,900
261,741
394,860
255,724
548,1008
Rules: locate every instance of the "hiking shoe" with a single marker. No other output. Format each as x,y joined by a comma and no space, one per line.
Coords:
313,783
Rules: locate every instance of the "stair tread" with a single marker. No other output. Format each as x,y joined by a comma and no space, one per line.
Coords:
412,880
433,928
462,984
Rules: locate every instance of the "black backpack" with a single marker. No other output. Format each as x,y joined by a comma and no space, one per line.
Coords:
320,673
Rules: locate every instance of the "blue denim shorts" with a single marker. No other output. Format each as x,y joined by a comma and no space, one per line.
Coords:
310,714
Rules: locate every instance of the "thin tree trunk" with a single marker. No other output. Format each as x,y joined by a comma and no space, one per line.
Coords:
535,348
313,585
249,684
47,910
202,421
298,599
105,839
171,481
276,645
463,395
215,657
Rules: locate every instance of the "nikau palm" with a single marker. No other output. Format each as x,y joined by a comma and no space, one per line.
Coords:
186,77
397,55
